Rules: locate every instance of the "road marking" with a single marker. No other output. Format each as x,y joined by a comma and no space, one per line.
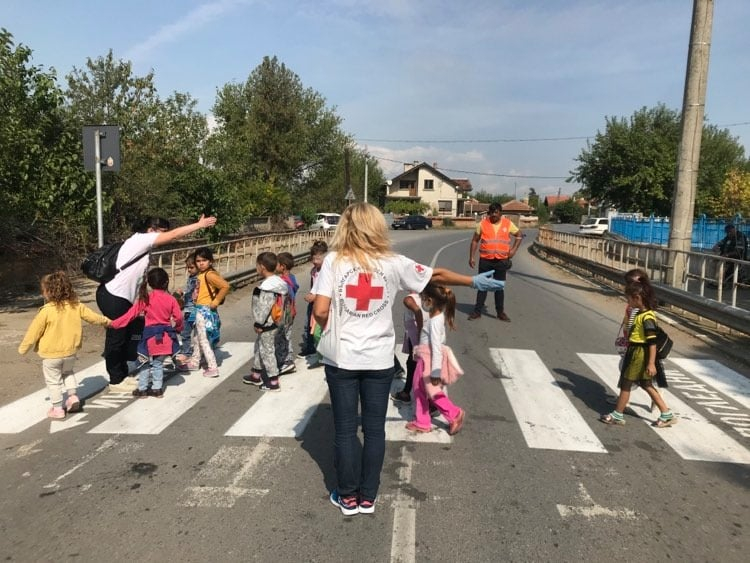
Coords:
222,481
718,376
71,421
547,418
28,449
108,443
182,391
32,409
404,530
693,437
593,510
287,412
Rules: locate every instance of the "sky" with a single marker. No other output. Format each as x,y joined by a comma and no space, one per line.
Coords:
503,92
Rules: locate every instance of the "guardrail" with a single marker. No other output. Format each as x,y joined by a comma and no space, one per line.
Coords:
699,292
235,259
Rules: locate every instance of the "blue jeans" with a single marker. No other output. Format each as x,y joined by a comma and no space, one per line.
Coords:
358,466
154,368
186,347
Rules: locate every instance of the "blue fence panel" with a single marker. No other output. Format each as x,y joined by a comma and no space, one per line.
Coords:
655,230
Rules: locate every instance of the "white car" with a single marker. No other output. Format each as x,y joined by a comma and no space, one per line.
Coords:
325,221
594,226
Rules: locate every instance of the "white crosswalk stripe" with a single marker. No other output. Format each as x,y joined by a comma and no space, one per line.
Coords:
547,418
547,415
693,437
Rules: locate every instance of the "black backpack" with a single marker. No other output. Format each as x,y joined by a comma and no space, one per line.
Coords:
663,343
100,265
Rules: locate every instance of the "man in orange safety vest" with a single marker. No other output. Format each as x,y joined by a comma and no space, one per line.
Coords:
493,238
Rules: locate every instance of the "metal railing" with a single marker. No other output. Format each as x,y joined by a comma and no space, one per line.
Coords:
235,259
712,286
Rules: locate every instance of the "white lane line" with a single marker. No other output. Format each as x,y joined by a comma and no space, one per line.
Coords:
725,380
404,531
108,443
27,411
182,391
693,437
284,413
547,418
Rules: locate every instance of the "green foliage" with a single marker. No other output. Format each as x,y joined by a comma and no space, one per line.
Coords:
398,207
632,165
567,211
542,212
486,197
448,222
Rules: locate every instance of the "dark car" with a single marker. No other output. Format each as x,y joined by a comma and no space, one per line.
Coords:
411,222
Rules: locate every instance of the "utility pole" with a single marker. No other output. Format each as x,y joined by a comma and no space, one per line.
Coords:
693,107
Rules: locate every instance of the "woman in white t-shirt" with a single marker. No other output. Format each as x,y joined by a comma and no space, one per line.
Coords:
355,293
115,297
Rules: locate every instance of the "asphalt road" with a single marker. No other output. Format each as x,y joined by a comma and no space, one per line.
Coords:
218,471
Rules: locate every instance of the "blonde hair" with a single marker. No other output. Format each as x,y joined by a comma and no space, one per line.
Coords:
362,236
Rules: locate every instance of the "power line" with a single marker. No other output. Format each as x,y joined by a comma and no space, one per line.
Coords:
519,140
481,173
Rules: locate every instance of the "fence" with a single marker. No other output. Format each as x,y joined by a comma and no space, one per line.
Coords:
702,290
655,230
235,259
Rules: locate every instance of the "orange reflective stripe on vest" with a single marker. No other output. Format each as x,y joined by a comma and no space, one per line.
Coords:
493,245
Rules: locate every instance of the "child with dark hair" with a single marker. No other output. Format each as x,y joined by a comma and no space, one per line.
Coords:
640,365
55,333
189,295
163,320
284,346
265,371
212,288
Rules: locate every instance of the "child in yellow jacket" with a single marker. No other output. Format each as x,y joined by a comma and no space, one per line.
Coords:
55,333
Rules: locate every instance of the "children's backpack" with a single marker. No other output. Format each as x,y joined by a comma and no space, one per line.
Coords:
100,265
663,343
281,310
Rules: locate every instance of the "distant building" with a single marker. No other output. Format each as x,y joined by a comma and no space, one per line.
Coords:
422,183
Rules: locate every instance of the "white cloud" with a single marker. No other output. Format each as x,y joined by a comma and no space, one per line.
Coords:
197,18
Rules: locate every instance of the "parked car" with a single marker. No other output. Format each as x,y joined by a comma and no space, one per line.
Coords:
299,223
594,226
411,222
325,221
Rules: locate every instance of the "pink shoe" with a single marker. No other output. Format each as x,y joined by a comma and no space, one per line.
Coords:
72,404
412,427
208,372
456,424
189,366
56,413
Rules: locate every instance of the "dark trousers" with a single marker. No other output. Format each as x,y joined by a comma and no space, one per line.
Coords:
358,466
118,343
500,267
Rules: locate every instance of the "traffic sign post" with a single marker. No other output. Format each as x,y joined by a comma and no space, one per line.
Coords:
101,152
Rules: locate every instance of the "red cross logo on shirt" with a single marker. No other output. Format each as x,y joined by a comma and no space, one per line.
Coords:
419,268
364,292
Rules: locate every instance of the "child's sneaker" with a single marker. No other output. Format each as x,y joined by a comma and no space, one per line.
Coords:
189,366
252,378
265,387
140,393
156,393
73,404
56,413
366,506
211,372
347,504
287,368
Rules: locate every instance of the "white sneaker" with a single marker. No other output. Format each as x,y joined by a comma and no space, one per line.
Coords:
127,385
287,368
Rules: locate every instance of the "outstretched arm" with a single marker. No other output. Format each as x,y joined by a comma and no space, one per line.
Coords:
482,282
181,232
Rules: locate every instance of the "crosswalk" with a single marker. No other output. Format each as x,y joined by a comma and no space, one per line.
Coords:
548,413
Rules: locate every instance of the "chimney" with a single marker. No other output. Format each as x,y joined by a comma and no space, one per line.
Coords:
434,164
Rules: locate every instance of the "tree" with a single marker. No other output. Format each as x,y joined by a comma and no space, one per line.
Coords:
276,141
632,165
486,197
160,143
567,211
734,197
40,174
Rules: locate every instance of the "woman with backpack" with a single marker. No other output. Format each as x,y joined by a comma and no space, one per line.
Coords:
115,297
